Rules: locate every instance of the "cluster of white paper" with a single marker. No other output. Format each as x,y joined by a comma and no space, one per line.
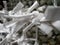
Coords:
19,19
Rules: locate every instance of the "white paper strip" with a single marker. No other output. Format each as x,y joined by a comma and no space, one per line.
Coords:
45,28
52,13
19,26
18,7
35,5
56,24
